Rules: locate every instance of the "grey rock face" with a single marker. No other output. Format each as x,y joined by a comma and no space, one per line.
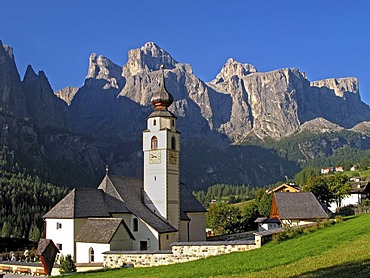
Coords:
67,94
12,97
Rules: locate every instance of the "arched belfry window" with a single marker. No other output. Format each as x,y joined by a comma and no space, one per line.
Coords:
154,122
154,143
135,225
91,255
173,143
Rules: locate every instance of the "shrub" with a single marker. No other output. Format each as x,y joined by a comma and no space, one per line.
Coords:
67,265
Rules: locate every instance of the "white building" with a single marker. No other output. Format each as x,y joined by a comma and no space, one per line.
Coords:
360,190
129,214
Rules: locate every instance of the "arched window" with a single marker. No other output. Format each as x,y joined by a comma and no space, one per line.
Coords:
154,122
91,254
173,143
135,224
154,143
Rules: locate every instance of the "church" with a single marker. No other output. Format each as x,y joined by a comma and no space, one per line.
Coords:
129,214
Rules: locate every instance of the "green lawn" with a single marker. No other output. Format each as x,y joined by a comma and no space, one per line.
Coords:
341,250
243,204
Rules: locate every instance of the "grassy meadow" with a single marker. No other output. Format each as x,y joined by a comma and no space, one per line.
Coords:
341,250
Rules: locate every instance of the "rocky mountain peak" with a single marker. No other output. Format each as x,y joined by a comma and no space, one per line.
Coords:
101,67
147,58
340,86
234,68
30,73
8,49
67,94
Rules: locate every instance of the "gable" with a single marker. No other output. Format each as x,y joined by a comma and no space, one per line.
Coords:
102,230
283,188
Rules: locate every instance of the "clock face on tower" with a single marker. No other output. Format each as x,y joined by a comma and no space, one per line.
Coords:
155,157
172,157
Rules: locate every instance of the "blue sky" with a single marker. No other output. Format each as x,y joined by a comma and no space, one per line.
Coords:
322,38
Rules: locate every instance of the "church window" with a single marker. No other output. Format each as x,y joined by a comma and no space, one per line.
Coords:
154,122
155,178
167,237
154,143
135,224
173,143
59,225
59,246
143,245
173,122
91,255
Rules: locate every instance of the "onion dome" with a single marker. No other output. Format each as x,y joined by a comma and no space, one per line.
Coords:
162,98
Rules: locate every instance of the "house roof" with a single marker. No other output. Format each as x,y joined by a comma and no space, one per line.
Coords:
266,220
101,230
300,205
360,187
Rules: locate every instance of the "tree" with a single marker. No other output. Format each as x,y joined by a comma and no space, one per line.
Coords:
6,231
249,215
34,233
340,187
320,188
67,265
223,218
264,205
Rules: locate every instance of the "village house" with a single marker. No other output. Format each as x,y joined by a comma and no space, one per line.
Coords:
298,208
360,190
130,214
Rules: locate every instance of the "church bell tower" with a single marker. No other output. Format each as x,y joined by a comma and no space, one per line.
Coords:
161,148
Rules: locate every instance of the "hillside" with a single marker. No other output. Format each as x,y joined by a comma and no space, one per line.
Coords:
336,251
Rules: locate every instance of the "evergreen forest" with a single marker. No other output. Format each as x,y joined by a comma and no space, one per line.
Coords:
24,199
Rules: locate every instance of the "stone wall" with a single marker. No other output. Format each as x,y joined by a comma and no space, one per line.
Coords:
181,252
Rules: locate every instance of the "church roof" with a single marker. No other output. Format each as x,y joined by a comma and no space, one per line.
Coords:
86,202
162,98
100,230
188,203
118,194
163,112
130,192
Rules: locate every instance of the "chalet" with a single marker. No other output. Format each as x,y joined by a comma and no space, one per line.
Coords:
298,208
284,188
129,214
360,190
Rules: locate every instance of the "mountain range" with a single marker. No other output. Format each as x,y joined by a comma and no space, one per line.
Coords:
69,136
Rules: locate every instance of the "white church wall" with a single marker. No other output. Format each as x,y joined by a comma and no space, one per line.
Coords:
61,232
83,252
145,233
